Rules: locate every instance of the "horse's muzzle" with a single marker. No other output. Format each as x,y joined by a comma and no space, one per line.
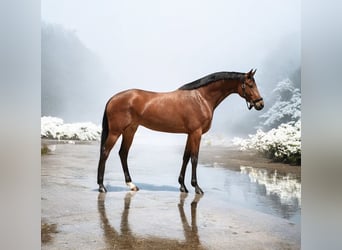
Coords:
258,104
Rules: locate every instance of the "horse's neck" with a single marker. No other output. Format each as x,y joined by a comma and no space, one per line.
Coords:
216,92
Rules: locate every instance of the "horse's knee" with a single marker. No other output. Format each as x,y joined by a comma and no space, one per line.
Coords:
194,161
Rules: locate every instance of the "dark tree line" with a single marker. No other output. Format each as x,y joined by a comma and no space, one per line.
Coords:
74,84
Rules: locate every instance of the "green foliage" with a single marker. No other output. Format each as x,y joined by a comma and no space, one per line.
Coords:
44,150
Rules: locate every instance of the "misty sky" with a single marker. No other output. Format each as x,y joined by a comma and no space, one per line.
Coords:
160,45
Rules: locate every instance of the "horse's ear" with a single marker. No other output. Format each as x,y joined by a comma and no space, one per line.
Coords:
253,73
250,74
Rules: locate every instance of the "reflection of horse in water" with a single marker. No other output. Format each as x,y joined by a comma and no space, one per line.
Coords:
125,239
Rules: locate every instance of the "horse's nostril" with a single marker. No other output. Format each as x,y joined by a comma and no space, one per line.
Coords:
259,106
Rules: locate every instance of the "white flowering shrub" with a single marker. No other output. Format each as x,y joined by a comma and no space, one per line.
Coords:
55,128
286,108
281,144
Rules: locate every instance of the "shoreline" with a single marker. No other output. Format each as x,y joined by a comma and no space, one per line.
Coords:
232,157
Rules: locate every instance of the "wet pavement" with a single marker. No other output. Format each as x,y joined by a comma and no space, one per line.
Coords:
245,206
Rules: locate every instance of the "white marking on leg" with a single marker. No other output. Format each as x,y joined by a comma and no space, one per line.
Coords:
131,185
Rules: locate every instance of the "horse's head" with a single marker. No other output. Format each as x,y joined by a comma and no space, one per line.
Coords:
250,92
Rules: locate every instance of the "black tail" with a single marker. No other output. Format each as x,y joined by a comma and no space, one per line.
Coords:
102,161
104,133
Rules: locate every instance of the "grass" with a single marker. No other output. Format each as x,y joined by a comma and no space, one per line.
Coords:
44,150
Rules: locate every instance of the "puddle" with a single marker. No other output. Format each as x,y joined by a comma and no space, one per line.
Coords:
286,187
157,168
260,189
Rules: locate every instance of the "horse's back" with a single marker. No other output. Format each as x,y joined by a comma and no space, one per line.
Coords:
128,106
128,97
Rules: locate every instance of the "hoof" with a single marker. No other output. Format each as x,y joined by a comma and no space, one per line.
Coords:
132,186
102,189
198,190
183,189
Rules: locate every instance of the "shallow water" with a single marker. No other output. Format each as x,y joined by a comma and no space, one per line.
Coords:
259,189
249,208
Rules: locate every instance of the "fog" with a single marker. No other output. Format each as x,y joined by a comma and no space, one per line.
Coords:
159,46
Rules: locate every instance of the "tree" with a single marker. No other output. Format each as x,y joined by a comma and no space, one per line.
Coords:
286,108
75,86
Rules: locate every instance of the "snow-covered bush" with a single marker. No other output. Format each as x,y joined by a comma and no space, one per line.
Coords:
281,144
286,108
55,128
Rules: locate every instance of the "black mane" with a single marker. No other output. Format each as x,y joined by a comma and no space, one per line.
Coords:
213,78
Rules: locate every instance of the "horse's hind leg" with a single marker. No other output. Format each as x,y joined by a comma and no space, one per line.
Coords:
127,139
186,158
104,153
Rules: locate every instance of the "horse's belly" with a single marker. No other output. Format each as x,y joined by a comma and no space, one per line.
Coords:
164,124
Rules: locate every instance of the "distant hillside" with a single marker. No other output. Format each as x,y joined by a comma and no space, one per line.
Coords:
74,84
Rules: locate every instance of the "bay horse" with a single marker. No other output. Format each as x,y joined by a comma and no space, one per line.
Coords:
188,110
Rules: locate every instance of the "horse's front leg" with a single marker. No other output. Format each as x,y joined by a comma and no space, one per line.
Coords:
195,139
194,160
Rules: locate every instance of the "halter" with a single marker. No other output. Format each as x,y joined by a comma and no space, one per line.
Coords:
251,103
